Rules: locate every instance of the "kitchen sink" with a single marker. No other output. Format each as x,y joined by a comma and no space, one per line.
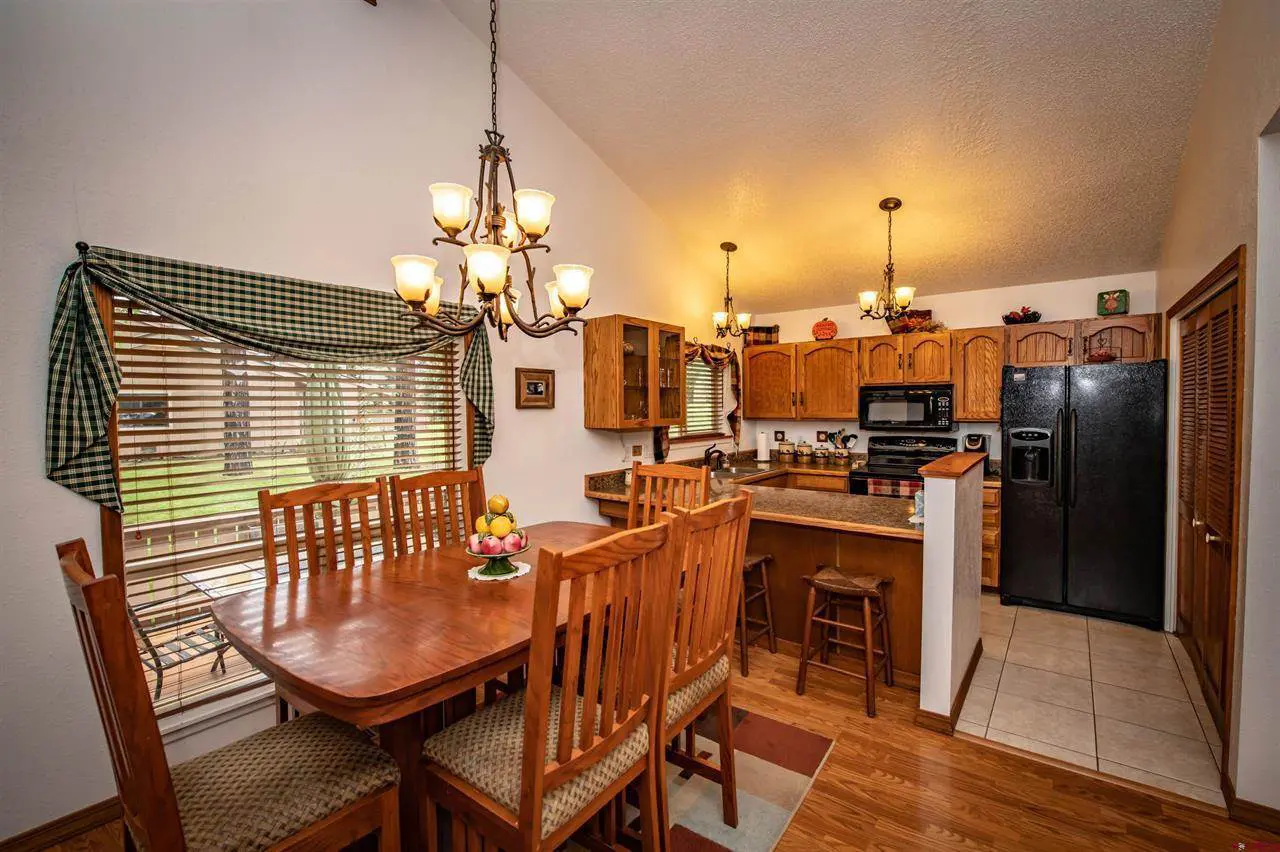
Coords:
732,472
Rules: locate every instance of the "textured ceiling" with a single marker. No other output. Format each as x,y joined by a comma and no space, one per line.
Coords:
1030,140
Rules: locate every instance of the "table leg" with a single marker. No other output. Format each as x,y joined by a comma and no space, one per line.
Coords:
402,739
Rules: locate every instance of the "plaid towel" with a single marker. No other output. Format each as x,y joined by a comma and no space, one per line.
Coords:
893,488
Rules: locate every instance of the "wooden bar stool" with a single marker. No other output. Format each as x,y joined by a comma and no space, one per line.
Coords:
863,592
752,591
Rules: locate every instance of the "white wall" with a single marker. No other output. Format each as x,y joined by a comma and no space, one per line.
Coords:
291,137
1216,207
1056,300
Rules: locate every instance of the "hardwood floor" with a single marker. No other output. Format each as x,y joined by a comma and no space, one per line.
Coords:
891,785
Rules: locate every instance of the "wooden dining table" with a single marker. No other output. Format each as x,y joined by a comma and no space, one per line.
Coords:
377,646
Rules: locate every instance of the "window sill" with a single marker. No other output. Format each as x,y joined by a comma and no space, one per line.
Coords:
186,723
700,438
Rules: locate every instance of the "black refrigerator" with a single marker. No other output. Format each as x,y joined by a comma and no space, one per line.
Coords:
1083,489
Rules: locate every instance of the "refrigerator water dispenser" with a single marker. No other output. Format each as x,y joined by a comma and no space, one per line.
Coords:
1030,453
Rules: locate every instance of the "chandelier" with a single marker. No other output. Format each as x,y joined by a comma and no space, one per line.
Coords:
505,222
889,301
727,322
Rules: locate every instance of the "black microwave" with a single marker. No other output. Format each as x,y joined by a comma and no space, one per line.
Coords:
916,407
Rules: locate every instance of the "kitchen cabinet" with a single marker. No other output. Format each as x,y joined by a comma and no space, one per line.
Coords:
881,359
632,373
769,382
977,364
906,359
1042,344
818,482
827,379
1132,338
927,358
991,535
808,381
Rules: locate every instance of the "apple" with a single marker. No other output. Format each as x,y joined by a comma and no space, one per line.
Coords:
511,543
524,538
473,543
491,546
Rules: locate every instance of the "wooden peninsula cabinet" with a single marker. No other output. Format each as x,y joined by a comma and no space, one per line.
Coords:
806,381
632,373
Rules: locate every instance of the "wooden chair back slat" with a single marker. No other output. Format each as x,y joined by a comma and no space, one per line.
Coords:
715,542
436,509
337,527
620,596
658,488
147,800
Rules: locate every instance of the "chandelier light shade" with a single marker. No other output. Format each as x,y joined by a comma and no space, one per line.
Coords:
414,277
728,322
889,301
493,226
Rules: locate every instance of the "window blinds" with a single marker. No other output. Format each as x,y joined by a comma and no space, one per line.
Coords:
203,426
704,401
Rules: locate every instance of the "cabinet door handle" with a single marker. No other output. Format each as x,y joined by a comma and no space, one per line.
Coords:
1071,344
911,360
802,399
793,399
899,360
1210,538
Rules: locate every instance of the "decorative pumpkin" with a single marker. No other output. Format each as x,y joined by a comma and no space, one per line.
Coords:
824,329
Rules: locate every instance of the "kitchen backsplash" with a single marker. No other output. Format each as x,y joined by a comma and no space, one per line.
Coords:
807,431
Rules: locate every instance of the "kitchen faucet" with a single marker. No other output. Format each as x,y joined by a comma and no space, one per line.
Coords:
714,458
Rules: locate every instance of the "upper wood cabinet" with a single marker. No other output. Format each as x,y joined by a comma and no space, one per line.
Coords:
977,365
910,359
768,381
927,357
1131,338
1042,344
881,359
827,379
632,373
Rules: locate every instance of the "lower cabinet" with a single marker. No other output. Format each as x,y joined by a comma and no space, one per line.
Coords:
991,536
818,482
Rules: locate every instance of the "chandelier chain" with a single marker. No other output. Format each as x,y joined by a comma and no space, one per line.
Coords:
493,64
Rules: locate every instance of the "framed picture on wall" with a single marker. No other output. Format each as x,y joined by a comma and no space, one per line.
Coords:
535,388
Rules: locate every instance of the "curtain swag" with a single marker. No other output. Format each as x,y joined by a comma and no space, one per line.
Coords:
721,357
270,313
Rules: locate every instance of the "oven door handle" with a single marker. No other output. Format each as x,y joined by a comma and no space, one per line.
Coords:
1058,438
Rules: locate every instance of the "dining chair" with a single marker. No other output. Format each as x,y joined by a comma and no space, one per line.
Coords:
656,488
310,784
330,542
436,509
327,544
530,770
711,553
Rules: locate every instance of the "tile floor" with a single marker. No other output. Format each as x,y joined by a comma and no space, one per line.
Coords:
1103,695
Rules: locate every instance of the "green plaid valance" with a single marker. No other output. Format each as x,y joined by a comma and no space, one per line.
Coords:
269,313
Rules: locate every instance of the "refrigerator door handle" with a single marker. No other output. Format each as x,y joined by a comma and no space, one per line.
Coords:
1058,489
1071,486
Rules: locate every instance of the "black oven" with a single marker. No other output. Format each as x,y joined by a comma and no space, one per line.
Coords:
915,407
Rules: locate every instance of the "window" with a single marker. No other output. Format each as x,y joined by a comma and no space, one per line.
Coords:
704,402
210,423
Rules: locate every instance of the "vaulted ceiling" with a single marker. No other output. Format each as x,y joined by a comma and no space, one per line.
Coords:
1030,140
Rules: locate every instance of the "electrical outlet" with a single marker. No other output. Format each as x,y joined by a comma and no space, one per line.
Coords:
637,450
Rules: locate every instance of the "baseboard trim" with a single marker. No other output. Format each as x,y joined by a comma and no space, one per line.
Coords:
64,827
947,724
1249,813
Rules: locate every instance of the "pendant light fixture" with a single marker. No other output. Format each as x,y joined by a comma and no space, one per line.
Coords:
505,223
889,301
728,323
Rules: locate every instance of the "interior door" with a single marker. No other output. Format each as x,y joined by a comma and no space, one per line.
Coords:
1188,523
928,357
769,381
827,378
881,360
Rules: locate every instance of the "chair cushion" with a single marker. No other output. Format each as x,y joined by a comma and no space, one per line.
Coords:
256,792
486,750
686,698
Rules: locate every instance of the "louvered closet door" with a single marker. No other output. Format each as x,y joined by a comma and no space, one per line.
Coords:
1188,526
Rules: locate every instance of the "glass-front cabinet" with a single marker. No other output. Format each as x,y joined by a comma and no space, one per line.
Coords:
633,373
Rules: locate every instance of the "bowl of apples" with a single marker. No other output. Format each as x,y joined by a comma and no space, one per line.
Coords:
497,538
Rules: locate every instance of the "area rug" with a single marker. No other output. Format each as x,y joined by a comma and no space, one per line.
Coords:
776,765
